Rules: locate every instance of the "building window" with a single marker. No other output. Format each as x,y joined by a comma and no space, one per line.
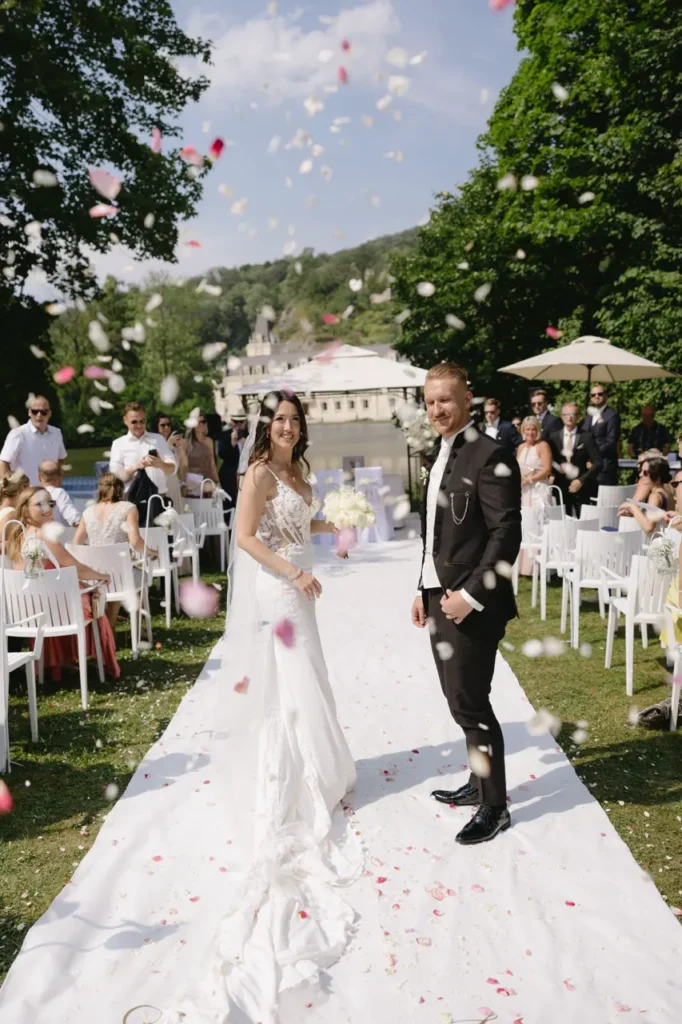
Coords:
351,403
324,407
365,403
391,402
337,405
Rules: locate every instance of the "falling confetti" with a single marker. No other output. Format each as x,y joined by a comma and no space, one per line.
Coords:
482,293
192,156
398,85
586,197
554,333
533,648
197,600
37,352
45,179
97,336
157,139
454,321
397,57
560,92
479,762
111,792
426,289
342,75
64,375
507,183
543,722
215,149
242,686
284,631
502,470
6,801
529,182
55,308
102,210
169,390
104,183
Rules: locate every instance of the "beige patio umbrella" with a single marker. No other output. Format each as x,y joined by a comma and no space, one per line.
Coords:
589,359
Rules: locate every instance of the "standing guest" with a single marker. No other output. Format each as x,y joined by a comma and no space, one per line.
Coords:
163,425
649,434
465,539
133,451
497,428
516,422
27,446
539,403
51,478
603,423
201,455
534,457
230,450
11,489
34,511
576,460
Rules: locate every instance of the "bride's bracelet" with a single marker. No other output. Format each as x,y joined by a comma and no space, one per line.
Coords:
295,575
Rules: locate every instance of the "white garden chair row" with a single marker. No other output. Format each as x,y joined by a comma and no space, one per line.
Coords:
11,660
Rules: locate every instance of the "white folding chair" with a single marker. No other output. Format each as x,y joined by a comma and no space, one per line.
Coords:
627,524
209,518
116,561
555,555
187,542
11,660
369,480
608,501
674,653
596,550
643,605
531,542
326,480
589,512
57,595
162,568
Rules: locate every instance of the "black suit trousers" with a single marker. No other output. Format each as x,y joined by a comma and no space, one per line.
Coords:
466,680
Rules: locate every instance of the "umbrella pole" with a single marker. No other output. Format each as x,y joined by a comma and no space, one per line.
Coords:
589,385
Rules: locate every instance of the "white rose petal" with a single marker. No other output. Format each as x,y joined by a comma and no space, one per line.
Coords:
504,569
502,469
482,293
585,650
155,300
426,289
306,167
533,648
560,92
579,736
111,792
398,84
150,220
454,321
529,182
45,179
445,650
479,763
507,183
520,254
116,383
85,428
542,722
586,197
471,435
355,284
401,510
169,390
97,336
397,57
489,579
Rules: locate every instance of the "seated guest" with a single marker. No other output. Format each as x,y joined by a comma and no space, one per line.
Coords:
648,434
577,462
661,494
11,488
643,488
111,520
163,425
497,428
201,455
34,510
539,404
51,477
603,423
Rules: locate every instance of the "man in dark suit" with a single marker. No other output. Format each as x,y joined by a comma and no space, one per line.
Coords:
471,527
229,450
548,421
577,463
497,428
603,423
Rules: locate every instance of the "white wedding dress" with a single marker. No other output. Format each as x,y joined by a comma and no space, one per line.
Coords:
293,766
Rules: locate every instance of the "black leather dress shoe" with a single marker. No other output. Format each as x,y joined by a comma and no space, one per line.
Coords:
466,796
485,824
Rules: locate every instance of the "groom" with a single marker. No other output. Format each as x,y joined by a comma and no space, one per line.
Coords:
471,527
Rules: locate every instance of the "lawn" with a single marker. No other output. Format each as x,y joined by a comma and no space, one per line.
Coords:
59,786
82,460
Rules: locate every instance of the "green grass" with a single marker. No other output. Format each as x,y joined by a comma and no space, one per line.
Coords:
82,460
635,773
58,785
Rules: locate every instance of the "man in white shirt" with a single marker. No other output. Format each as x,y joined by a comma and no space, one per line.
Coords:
471,525
34,442
133,451
51,478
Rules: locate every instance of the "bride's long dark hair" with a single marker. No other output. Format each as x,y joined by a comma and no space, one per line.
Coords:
262,445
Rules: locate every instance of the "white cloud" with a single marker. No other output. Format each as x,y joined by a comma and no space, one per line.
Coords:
279,52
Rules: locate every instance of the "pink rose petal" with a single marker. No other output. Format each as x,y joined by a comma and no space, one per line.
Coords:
156,140
330,318
554,333
102,210
192,155
96,373
477,888
499,5
193,244
342,75
569,987
569,903
216,148
345,46
157,858
198,600
485,1011
242,686
194,899
503,992
284,631
439,913
622,1008
64,375
493,981
6,801
104,183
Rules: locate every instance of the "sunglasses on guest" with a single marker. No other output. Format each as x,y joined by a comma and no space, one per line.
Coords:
44,506
136,423
675,483
39,412
203,421
597,394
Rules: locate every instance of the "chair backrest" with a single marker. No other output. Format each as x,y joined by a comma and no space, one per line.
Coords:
369,475
559,539
207,514
157,538
113,559
610,497
597,549
328,480
67,534
553,513
627,524
652,585
589,512
54,593
531,523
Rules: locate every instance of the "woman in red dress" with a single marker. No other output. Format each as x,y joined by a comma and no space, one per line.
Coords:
34,510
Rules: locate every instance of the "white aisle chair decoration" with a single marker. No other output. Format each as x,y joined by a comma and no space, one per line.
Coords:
369,480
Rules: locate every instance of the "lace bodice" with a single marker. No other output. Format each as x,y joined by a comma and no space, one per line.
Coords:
109,530
285,525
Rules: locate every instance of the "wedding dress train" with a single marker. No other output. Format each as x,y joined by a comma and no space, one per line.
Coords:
291,763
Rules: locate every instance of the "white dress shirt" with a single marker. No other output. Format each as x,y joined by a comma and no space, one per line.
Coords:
569,443
128,451
25,448
64,512
429,574
491,429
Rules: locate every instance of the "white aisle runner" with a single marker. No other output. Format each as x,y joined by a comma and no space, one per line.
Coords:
552,923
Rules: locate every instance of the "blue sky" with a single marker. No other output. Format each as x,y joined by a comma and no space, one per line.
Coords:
267,64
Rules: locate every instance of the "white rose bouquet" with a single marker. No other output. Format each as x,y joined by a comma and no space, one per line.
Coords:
348,509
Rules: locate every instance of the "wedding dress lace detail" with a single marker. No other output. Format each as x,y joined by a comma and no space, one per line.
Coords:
109,530
288,919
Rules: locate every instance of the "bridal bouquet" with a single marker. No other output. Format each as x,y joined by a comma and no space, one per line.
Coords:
348,509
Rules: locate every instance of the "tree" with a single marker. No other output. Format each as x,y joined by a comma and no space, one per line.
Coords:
594,114
83,86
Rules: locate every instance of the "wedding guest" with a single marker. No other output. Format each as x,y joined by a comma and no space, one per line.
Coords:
11,488
34,442
51,477
649,433
516,422
534,457
34,510
201,455
539,403
655,472
230,449
577,462
497,428
163,425
133,451
111,520
643,488
603,423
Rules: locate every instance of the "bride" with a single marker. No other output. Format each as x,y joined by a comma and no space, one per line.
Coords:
288,920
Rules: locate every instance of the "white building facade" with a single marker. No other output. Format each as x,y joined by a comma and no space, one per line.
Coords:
267,357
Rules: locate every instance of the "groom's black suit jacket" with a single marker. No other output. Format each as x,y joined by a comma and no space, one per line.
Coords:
478,522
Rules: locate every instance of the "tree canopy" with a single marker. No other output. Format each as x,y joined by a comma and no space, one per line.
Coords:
572,219
83,86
